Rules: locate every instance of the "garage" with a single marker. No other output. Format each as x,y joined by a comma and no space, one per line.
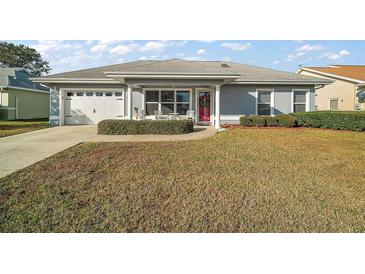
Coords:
91,107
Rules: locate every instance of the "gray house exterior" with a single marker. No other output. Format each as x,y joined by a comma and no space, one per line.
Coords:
218,92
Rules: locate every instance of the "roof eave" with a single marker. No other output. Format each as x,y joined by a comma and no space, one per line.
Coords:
74,80
356,81
131,74
281,82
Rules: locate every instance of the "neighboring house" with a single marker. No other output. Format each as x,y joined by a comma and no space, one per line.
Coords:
343,94
218,92
20,98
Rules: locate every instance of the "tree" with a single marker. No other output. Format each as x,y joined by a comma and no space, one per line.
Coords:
23,57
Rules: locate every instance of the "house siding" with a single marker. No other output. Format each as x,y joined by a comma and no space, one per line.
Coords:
236,100
240,100
30,104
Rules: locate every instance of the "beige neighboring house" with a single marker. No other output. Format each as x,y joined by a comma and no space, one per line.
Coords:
347,90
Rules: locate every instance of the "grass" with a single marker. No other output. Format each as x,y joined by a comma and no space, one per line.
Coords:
241,180
8,128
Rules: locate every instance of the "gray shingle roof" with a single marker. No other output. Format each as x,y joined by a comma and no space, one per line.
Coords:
246,73
98,72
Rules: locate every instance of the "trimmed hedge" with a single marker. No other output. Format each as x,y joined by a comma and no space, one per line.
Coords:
133,127
271,121
286,120
345,120
256,121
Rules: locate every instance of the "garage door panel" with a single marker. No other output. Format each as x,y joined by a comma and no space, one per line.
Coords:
93,107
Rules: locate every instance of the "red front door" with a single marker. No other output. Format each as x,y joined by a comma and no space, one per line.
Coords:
204,106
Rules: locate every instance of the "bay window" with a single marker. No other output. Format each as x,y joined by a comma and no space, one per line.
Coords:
167,101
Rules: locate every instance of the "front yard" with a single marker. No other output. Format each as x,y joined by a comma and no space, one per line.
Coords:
241,180
8,128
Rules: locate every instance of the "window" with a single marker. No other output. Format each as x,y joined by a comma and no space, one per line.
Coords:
182,101
89,93
333,104
108,93
168,101
79,93
98,93
70,93
152,99
264,102
300,100
118,94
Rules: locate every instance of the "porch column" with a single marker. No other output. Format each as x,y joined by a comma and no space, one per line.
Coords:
217,111
129,103
61,104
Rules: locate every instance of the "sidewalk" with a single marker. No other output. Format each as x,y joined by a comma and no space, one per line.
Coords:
200,132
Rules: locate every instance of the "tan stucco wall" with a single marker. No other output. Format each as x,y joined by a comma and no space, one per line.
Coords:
343,90
30,104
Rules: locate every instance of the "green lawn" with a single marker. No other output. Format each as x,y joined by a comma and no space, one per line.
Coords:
241,180
8,128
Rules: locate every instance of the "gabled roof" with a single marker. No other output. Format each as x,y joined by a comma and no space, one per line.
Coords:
355,73
238,72
19,78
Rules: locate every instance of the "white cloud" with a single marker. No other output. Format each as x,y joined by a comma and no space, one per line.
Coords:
236,46
45,47
227,58
123,49
194,58
276,62
206,41
200,51
303,50
99,48
344,52
180,44
307,48
334,56
142,58
153,46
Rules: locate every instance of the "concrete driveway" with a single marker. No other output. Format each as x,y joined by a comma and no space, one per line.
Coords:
20,151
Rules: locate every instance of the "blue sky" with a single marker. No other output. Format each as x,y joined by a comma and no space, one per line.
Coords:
67,55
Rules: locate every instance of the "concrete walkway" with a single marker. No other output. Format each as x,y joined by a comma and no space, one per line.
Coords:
22,150
200,132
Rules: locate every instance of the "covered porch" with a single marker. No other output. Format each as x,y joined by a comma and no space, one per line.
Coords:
174,99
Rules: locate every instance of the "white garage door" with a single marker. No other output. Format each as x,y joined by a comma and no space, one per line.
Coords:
91,107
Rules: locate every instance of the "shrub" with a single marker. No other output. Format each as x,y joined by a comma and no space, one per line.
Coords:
286,120
271,121
245,121
258,121
345,120
133,127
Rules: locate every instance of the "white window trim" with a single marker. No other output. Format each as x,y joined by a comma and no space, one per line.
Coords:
272,99
334,98
159,99
307,98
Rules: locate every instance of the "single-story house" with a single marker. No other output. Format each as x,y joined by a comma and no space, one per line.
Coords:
347,91
218,92
20,98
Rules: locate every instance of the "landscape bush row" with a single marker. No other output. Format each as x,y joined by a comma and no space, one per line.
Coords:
344,120
133,127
